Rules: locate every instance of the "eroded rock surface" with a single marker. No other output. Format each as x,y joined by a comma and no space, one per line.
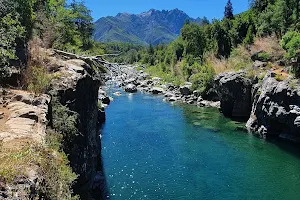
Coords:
234,91
276,109
24,116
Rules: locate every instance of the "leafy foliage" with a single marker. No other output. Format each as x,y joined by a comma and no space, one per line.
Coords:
38,79
10,31
64,123
291,43
203,79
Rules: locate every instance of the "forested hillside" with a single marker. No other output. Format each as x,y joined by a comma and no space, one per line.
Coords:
54,23
153,27
269,29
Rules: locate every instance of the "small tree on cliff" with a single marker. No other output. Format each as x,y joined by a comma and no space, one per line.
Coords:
228,13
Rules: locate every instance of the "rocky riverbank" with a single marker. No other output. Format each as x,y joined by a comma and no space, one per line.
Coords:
270,106
67,116
133,80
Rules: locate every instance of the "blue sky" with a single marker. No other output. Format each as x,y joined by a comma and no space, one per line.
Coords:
194,8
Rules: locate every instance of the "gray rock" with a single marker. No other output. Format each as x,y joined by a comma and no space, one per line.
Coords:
199,99
131,88
297,122
196,93
234,91
172,99
130,81
275,110
157,90
169,94
170,86
259,64
205,103
185,90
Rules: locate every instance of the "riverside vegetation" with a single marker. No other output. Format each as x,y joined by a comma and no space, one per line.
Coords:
39,133
267,33
249,62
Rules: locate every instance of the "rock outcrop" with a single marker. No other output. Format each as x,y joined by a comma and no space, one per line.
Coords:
131,88
23,121
276,109
78,90
234,91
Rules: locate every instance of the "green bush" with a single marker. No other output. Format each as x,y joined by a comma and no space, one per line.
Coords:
263,56
55,175
64,122
291,43
55,170
279,77
203,79
38,79
10,31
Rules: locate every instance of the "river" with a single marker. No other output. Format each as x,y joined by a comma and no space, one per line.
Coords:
154,150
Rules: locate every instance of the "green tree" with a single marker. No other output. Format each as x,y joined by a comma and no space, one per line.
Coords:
194,39
222,38
81,17
228,13
10,31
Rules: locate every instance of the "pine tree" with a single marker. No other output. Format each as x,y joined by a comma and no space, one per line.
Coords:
228,10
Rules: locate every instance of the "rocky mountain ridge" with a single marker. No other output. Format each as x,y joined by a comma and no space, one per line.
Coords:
153,27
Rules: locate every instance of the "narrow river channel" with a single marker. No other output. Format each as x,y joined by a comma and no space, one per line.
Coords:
158,151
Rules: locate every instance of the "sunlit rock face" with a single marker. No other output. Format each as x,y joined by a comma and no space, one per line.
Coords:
276,110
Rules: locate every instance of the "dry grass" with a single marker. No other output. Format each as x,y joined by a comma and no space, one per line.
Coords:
16,157
281,75
240,59
219,65
270,45
37,55
20,157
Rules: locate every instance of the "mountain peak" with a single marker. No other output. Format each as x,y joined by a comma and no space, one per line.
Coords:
148,13
153,26
123,14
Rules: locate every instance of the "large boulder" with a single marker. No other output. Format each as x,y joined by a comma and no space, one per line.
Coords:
10,76
157,90
276,111
130,81
234,91
185,90
131,88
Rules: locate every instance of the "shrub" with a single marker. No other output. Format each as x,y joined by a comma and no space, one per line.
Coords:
263,56
55,170
291,43
37,79
55,174
203,79
251,74
10,31
64,122
166,77
279,77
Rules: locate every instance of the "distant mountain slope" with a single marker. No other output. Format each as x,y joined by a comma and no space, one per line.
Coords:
153,27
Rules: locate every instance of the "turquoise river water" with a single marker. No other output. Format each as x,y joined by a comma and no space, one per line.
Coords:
154,150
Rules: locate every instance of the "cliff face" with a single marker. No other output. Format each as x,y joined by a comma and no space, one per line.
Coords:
234,91
78,90
22,124
272,107
73,117
275,110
